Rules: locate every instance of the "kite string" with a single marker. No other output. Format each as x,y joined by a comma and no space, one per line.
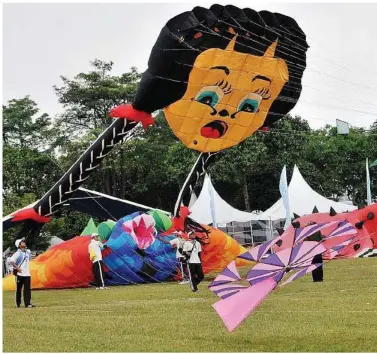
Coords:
299,78
291,100
281,98
294,64
295,44
290,62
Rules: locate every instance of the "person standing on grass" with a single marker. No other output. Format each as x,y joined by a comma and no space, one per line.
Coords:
178,243
192,250
20,262
317,274
95,254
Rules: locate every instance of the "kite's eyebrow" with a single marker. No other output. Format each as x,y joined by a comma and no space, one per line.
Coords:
261,78
226,70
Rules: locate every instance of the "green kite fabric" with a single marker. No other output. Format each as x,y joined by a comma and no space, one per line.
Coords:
105,228
163,222
90,228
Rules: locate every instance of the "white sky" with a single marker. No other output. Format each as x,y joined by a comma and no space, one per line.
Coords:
43,41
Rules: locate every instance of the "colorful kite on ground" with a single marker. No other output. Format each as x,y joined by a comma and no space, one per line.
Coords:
134,256
239,300
364,220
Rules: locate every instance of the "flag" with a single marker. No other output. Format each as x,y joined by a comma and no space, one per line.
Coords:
283,187
369,194
373,164
212,204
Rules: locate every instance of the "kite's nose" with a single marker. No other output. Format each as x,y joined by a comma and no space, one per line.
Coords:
224,113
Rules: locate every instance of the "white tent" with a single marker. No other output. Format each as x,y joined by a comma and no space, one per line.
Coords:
302,200
55,241
223,212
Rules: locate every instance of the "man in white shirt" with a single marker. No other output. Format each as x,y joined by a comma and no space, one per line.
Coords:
178,242
20,262
192,250
95,254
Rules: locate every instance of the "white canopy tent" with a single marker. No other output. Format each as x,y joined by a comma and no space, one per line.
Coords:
302,200
224,213
55,241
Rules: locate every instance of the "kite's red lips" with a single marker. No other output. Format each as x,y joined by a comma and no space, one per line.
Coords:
214,130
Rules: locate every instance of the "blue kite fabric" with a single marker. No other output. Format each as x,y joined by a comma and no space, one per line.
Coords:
130,264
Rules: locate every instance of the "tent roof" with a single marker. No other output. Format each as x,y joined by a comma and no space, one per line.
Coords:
55,241
224,213
302,200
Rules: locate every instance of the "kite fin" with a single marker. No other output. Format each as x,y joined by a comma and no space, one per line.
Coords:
130,113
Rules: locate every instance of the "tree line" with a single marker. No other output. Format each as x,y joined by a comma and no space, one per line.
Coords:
152,166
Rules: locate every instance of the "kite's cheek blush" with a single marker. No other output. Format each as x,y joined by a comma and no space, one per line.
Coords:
214,130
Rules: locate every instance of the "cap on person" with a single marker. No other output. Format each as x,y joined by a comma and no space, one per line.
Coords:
95,235
17,243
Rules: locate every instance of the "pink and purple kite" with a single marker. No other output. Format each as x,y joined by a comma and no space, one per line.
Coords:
239,300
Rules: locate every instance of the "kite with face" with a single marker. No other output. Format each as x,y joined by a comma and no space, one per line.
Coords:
221,74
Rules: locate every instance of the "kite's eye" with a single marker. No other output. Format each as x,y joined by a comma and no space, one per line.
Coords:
249,106
210,95
250,103
209,98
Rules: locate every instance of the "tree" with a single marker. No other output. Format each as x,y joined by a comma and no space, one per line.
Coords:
28,160
88,99
21,127
29,164
339,162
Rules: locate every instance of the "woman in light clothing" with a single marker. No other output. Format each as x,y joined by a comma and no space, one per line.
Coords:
192,250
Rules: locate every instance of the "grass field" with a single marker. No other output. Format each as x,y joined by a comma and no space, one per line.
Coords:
339,315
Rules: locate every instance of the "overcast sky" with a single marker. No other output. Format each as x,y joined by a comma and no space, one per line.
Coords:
43,41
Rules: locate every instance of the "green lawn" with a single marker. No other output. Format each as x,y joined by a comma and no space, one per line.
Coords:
339,315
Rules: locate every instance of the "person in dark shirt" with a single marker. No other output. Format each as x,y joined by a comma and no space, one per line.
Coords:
317,274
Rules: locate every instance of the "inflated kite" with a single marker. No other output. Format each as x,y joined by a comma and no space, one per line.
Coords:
364,220
219,74
134,256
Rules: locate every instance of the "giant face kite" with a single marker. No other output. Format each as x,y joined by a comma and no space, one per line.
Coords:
223,73
219,74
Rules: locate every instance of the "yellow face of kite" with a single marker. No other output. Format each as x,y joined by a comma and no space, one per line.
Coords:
228,97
